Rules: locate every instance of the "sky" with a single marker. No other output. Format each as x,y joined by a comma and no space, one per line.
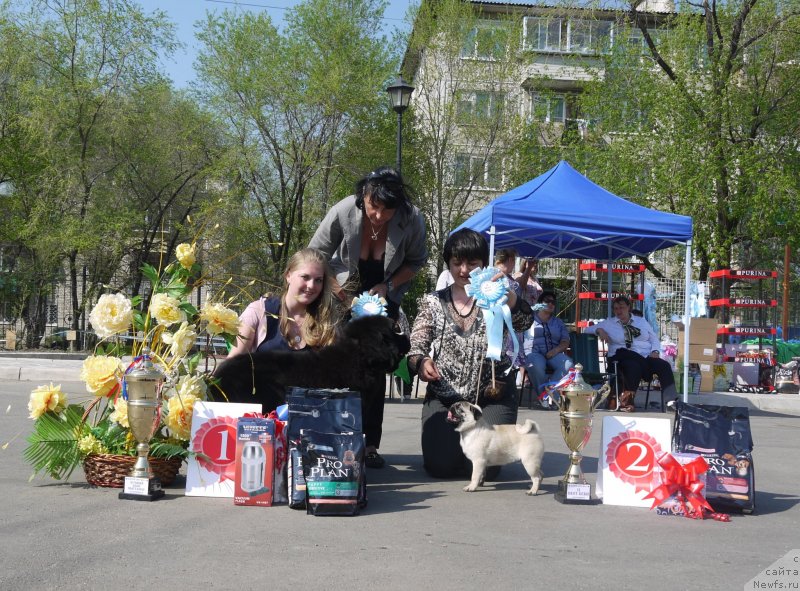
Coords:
184,13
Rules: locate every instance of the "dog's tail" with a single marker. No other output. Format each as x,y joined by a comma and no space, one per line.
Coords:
528,426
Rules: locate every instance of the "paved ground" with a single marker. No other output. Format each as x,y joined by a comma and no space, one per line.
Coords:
416,532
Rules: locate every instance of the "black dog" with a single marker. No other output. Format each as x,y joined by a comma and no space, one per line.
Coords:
365,351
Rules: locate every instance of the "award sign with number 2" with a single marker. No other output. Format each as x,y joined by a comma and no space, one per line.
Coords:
627,468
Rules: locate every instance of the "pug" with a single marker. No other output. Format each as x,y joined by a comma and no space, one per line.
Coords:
495,445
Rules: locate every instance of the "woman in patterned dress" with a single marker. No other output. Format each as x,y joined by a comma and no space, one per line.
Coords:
448,351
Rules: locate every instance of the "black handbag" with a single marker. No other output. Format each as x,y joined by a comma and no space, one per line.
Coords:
721,434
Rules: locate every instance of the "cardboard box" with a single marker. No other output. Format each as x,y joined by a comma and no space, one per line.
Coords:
255,455
699,353
707,381
703,331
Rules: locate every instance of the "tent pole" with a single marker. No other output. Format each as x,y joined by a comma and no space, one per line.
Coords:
491,245
687,320
610,287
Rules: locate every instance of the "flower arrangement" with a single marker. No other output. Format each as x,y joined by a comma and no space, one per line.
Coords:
65,435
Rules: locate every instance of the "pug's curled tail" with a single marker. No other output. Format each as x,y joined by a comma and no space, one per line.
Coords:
528,426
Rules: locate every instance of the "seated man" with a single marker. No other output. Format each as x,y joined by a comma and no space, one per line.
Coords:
636,348
545,343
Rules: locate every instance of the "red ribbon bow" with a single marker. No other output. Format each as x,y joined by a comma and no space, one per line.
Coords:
682,481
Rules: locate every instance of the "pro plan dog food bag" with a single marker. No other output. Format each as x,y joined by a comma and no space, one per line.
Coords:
721,434
333,465
321,411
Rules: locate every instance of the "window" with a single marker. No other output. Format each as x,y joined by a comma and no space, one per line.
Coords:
549,108
589,36
470,169
543,34
567,35
479,105
637,43
486,41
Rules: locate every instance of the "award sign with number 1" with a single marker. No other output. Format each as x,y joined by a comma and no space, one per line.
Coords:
211,472
627,468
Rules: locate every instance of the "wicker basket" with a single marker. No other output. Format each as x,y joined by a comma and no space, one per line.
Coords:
110,470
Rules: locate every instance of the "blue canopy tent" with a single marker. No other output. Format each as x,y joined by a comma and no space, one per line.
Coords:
562,214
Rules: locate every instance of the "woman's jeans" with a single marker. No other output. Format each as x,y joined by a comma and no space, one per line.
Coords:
536,365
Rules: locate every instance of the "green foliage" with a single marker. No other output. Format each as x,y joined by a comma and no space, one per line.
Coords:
53,444
704,124
292,97
463,126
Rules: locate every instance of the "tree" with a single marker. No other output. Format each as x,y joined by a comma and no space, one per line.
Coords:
289,99
465,122
94,136
698,113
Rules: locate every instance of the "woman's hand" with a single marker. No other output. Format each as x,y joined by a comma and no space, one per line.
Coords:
602,335
380,290
512,297
427,371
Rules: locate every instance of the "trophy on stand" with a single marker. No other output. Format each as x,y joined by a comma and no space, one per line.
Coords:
143,386
576,403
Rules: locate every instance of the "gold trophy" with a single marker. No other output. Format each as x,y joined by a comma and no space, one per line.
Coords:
576,403
143,385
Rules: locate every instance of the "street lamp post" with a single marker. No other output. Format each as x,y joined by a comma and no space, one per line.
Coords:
400,95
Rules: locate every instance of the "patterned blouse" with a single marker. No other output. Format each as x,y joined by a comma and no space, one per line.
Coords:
457,344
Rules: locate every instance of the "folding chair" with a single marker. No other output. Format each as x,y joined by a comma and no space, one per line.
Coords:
653,378
587,350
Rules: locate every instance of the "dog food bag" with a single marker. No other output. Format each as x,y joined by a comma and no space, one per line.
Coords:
322,410
333,466
721,434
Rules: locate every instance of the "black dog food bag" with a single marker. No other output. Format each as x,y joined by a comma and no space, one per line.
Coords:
323,411
721,434
333,466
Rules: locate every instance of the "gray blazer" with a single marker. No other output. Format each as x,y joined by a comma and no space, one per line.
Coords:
339,237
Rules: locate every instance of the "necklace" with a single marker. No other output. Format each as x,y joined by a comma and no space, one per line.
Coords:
461,311
298,338
373,232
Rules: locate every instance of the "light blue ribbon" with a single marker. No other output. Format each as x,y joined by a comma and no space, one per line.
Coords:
368,305
491,297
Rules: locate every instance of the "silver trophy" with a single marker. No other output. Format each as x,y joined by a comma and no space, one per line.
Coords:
576,403
143,386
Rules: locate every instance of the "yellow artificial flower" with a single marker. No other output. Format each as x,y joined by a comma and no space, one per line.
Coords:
179,417
46,398
221,320
101,374
89,444
111,314
186,255
120,414
181,341
165,310
192,385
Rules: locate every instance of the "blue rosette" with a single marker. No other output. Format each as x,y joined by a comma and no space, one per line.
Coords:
491,296
368,305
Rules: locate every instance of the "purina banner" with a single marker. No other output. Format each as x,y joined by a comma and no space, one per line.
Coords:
627,468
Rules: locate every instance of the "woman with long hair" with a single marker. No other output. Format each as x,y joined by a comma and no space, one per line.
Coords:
304,315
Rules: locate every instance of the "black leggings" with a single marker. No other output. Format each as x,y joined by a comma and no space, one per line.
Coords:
441,443
634,367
